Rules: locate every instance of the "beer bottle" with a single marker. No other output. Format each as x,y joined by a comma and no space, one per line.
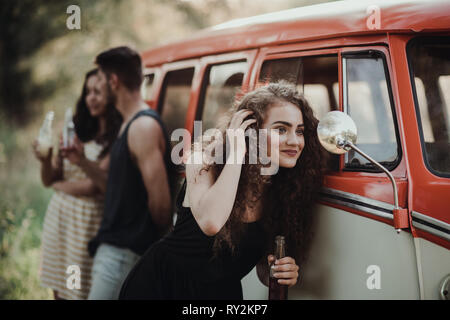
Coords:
277,291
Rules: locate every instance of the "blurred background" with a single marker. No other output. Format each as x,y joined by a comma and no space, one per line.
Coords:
43,64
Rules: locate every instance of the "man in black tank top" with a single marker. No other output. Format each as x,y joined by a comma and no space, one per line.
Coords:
137,202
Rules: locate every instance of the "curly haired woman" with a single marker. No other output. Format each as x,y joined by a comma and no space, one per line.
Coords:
229,214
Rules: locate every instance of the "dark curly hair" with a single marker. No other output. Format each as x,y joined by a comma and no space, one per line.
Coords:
289,195
87,127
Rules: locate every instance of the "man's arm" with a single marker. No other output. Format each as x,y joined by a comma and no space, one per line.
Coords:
97,172
147,147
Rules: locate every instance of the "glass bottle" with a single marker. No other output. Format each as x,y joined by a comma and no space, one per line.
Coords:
277,291
69,129
45,135
70,133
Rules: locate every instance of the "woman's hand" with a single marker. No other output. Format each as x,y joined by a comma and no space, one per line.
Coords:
74,153
285,270
237,129
58,186
38,155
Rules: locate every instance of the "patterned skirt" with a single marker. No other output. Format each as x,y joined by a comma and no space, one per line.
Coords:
70,222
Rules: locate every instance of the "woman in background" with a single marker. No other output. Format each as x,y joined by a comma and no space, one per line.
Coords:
75,209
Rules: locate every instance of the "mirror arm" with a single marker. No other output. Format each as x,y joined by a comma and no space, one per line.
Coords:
347,144
394,185
337,133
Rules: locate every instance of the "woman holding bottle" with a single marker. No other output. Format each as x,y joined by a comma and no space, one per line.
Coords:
75,209
229,214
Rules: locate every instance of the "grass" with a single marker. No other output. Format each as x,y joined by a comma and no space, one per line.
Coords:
23,202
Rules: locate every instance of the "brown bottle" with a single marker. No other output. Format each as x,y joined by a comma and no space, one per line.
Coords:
277,291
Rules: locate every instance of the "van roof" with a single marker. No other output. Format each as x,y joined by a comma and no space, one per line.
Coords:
326,20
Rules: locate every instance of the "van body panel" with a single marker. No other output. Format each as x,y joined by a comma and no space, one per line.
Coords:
344,261
428,193
432,273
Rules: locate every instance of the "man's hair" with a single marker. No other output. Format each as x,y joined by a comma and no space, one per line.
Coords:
125,63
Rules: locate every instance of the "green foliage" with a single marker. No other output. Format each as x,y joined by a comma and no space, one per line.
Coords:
42,68
23,202
26,26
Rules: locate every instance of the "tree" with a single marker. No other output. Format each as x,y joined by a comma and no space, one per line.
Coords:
25,26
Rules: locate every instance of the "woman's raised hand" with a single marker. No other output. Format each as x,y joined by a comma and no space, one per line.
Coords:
237,129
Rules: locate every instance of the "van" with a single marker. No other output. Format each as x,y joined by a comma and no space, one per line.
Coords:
386,64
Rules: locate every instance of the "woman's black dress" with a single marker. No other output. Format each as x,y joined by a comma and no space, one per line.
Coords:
181,265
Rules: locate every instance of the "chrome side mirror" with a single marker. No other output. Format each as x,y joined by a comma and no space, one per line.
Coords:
334,130
337,133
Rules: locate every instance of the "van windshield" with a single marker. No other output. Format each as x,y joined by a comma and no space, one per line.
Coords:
429,60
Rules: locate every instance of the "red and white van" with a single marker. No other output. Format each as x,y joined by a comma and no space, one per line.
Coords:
387,65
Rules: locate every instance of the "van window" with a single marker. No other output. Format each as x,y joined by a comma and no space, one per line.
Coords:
147,86
174,99
316,77
221,83
429,60
367,99
423,106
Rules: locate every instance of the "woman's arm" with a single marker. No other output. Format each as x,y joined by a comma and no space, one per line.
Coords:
211,201
83,187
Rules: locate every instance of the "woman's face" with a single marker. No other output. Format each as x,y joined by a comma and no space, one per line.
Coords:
284,121
96,98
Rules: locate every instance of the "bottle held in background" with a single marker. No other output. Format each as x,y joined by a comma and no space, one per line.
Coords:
69,129
45,135
277,291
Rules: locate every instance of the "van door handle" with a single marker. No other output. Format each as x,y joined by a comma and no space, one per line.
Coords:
444,288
